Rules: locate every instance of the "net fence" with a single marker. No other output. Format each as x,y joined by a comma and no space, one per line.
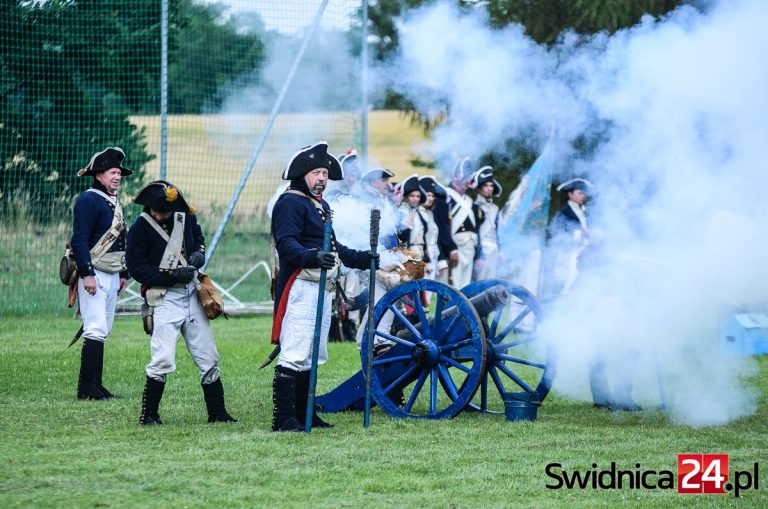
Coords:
78,76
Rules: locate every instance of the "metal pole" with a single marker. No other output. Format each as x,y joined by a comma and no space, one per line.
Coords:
316,338
364,84
263,138
164,90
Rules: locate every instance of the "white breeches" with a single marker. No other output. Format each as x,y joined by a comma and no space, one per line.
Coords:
298,327
181,312
385,325
462,272
98,310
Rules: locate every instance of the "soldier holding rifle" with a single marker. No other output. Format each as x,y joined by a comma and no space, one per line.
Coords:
298,223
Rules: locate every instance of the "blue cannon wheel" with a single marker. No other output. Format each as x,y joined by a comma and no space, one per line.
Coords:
517,361
421,375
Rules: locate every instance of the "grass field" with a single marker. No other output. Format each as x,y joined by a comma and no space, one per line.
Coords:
59,452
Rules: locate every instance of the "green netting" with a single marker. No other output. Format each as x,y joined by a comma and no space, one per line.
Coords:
78,76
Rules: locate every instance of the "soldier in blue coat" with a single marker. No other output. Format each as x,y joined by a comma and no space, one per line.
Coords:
98,247
166,248
298,225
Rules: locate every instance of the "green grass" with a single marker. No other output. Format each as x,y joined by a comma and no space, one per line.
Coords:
56,451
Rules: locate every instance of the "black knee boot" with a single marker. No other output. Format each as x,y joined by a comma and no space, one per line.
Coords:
87,387
100,370
284,400
214,402
302,394
150,403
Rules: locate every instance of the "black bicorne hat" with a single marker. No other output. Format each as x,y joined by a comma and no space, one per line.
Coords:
430,185
483,175
110,157
310,158
377,173
574,184
163,196
410,184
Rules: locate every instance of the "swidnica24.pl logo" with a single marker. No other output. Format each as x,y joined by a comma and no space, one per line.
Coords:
696,473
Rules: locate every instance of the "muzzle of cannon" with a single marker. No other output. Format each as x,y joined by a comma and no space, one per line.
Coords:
432,361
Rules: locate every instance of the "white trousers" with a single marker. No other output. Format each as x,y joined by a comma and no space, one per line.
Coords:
298,327
385,325
462,272
98,310
181,312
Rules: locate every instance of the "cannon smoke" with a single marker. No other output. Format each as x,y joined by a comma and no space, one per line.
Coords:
681,110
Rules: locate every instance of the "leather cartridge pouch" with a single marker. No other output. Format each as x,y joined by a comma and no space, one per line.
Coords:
147,317
68,267
152,298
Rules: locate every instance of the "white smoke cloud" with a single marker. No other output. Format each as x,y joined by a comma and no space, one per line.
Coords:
682,105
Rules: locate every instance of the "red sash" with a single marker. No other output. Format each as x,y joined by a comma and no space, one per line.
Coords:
277,320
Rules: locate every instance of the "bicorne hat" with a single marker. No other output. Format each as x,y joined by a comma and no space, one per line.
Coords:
310,158
110,157
163,196
430,185
574,184
350,164
377,173
483,175
411,184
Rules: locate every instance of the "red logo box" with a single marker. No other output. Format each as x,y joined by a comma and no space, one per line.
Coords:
702,473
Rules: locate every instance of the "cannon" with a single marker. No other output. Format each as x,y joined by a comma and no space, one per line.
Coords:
435,361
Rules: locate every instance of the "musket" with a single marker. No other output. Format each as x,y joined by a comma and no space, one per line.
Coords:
375,218
77,335
318,328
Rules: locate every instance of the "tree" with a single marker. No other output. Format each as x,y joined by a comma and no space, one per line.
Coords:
208,55
60,102
545,20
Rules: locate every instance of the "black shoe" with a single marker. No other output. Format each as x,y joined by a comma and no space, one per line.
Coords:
302,394
150,404
284,400
87,387
214,402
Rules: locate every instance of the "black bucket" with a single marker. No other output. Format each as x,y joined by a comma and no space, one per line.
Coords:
521,406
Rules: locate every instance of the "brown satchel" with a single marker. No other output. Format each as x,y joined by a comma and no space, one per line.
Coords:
210,297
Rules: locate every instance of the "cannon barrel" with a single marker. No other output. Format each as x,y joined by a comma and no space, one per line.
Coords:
484,303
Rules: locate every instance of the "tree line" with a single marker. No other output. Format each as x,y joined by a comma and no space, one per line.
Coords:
73,71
